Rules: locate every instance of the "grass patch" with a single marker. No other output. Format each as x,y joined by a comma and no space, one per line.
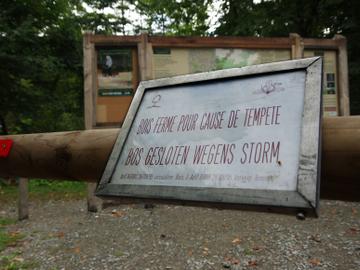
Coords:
7,193
45,190
15,262
56,189
6,221
7,238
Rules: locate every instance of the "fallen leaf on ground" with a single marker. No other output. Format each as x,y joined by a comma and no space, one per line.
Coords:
116,213
231,260
76,250
227,258
252,263
354,230
14,233
18,259
60,234
315,262
236,241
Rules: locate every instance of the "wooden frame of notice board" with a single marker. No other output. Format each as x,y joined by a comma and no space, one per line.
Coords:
154,57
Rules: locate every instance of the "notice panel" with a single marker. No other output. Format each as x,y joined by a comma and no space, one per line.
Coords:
227,136
202,136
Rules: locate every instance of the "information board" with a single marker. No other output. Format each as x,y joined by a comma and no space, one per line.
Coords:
247,135
116,83
330,84
115,72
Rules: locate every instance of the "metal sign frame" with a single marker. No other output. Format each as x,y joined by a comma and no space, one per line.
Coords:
307,193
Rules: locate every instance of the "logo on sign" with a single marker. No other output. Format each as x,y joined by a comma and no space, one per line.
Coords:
269,87
155,102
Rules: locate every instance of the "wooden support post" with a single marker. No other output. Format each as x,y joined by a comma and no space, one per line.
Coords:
145,55
90,105
89,81
343,76
149,64
297,46
142,55
23,207
92,201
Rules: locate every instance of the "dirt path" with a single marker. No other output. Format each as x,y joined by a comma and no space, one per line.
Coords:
62,235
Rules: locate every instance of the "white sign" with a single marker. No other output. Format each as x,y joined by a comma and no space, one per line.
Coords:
236,133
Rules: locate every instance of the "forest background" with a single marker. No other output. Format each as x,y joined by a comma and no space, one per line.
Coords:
41,73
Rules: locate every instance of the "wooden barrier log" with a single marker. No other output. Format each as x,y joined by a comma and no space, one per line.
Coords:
340,171
82,155
75,155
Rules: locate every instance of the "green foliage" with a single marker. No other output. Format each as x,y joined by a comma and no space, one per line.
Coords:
350,28
98,21
187,17
40,65
309,18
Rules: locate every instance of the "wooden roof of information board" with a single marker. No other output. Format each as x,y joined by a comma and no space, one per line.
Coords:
115,40
218,42
221,42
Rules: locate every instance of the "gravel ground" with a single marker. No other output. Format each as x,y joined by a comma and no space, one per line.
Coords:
63,235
